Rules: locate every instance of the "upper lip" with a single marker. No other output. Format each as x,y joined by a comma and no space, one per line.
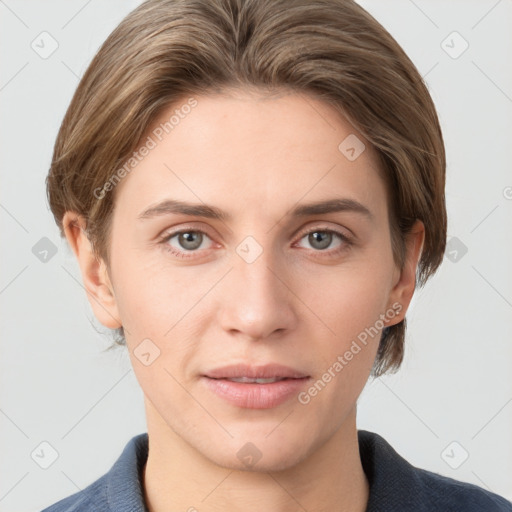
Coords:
267,371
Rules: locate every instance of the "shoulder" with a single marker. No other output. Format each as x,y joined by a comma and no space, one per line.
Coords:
396,485
121,488
93,497
454,495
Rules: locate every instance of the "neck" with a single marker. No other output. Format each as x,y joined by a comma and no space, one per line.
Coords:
177,477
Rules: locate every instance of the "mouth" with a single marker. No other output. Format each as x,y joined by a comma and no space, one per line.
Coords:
248,380
253,387
261,374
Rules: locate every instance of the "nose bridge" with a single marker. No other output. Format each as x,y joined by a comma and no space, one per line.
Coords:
257,302
259,275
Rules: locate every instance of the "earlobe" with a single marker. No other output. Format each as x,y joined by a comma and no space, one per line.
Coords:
403,289
98,286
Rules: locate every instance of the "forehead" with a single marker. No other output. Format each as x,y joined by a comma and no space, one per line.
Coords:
244,149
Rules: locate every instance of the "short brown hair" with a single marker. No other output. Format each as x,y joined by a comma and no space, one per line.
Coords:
165,50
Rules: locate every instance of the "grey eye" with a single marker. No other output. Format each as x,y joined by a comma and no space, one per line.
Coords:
320,239
190,240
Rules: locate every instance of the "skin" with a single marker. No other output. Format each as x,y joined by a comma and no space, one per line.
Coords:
254,157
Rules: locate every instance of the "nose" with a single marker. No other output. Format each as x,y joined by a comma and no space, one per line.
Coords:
257,300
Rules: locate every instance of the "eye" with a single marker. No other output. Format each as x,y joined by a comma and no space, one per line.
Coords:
185,241
321,239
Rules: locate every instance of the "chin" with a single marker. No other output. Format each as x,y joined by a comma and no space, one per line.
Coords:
258,453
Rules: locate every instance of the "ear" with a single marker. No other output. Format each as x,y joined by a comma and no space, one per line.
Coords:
100,291
405,282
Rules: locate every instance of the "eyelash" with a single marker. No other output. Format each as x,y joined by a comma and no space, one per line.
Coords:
347,241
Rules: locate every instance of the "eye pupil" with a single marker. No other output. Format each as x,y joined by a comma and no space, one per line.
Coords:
190,239
317,236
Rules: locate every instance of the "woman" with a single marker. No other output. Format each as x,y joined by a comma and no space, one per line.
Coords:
253,189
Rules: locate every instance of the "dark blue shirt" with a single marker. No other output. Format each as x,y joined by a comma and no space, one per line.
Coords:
395,485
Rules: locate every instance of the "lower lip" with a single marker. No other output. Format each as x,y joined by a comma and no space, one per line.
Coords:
256,396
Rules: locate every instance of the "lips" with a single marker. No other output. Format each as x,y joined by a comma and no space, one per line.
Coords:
248,373
248,380
255,387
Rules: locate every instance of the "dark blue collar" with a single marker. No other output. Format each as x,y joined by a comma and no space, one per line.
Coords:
395,485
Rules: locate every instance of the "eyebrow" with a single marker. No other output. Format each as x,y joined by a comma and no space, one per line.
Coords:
172,206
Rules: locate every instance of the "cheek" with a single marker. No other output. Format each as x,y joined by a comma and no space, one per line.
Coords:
348,302
351,306
150,296
347,299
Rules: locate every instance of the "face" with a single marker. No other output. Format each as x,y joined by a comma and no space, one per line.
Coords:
256,278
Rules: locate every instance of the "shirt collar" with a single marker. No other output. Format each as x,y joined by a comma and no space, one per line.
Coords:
386,471
125,491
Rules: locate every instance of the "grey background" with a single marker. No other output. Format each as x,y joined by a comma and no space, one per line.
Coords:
455,386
